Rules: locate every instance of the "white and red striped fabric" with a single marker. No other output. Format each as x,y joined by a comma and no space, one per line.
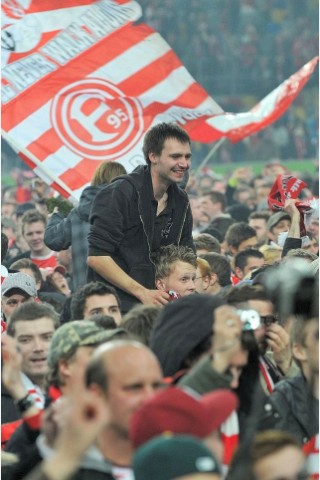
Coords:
268,110
33,390
311,450
85,97
229,432
98,105
29,24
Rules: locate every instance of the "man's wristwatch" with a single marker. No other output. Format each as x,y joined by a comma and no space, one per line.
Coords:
25,403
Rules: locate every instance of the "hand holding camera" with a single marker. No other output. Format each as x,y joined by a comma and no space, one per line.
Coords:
279,342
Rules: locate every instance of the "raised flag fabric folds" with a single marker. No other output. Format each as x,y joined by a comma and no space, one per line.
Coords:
27,25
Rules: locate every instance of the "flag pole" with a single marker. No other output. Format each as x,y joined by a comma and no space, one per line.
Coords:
210,154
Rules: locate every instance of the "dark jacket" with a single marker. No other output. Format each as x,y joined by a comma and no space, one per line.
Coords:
292,408
9,411
203,378
290,244
61,233
10,416
123,219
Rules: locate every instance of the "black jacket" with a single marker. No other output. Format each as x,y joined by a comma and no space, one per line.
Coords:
9,411
122,226
292,408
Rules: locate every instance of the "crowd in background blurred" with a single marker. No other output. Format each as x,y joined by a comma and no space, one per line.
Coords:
239,51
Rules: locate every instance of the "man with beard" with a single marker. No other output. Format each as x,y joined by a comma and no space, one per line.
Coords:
139,213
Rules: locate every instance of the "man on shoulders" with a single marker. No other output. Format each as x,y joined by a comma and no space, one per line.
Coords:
139,213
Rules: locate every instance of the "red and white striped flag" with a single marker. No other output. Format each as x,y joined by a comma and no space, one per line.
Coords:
67,115
29,24
268,110
84,97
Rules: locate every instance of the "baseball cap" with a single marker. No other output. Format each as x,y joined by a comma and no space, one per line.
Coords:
181,411
75,334
168,457
19,281
276,218
60,269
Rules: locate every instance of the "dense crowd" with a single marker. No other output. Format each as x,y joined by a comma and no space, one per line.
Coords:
166,325
160,332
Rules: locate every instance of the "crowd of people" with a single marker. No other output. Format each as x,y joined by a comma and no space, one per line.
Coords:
164,327
260,43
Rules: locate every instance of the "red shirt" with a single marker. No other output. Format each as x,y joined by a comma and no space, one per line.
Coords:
49,261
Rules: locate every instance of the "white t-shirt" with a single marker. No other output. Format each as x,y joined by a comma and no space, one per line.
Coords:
122,473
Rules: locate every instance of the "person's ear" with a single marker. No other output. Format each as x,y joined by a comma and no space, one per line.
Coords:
206,282
233,250
238,272
213,279
153,158
160,285
299,352
64,368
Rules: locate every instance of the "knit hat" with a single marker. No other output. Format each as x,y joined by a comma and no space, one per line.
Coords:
19,281
275,218
76,334
180,411
165,458
180,327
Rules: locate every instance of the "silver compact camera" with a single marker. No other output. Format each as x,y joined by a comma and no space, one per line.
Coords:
250,319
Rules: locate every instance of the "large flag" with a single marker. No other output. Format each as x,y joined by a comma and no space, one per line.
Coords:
29,24
91,92
83,98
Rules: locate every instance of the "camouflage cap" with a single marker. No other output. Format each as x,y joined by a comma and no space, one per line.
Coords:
76,334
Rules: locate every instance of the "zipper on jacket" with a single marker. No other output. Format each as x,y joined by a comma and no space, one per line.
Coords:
182,225
143,226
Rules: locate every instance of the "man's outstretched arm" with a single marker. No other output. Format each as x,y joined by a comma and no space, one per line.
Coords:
107,268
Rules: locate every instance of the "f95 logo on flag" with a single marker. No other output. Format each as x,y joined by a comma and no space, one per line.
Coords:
94,119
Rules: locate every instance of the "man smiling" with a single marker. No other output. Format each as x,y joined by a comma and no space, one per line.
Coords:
139,213
33,225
